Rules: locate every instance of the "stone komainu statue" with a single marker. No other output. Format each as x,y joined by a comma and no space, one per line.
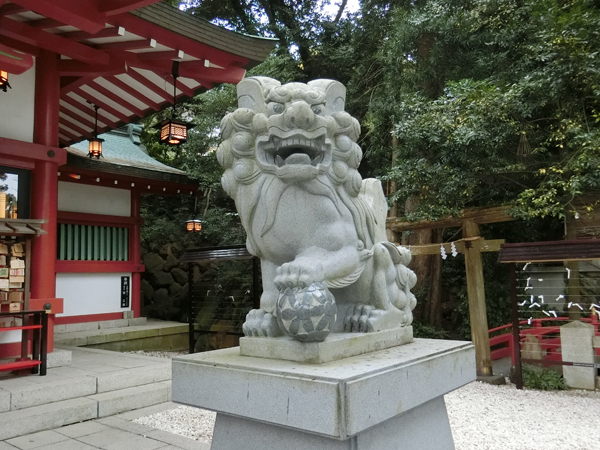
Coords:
290,158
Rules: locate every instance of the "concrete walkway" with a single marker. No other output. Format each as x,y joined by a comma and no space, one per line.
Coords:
90,404
116,432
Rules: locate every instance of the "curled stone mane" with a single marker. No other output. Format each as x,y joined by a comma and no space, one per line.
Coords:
237,154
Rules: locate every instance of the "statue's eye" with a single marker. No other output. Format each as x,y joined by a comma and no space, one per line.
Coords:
317,109
276,108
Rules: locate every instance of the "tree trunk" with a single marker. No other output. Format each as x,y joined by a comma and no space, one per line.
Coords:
434,316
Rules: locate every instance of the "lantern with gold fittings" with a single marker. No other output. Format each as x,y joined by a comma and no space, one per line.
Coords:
95,144
4,80
172,131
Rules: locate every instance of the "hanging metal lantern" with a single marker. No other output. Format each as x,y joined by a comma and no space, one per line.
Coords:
4,80
95,148
172,131
194,225
95,144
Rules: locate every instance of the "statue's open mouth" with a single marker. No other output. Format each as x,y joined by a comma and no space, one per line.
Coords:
302,153
296,150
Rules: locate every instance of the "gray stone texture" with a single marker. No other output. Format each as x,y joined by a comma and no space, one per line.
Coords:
160,296
161,279
175,289
4,400
532,349
576,346
153,262
170,263
39,394
339,399
114,402
290,161
337,346
423,427
179,275
52,415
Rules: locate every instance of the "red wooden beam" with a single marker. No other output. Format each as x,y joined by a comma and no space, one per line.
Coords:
114,7
82,14
196,70
149,84
167,55
127,45
12,147
71,101
70,135
107,32
71,68
20,46
115,98
173,40
10,9
45,23
105,106
73,115
48,41
133,92
73,126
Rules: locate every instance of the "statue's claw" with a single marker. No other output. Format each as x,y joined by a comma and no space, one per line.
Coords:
261,324
365,318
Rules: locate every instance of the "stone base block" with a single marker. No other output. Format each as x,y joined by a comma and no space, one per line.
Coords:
385,400
336,346
423,427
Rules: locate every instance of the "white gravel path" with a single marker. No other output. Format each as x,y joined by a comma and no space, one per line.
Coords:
482,417
486,417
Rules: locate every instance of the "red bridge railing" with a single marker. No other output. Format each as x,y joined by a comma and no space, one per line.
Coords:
545,329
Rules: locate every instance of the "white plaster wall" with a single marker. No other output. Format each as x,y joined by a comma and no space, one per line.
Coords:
8,337
16,107
90,199
91,293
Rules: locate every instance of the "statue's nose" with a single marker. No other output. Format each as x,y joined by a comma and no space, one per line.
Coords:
299,115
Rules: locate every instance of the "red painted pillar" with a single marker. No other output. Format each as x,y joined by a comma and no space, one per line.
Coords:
44,185
135,254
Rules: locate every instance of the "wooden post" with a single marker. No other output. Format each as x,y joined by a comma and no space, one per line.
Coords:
476,295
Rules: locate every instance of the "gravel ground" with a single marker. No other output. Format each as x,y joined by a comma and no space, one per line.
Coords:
482,417
194,423
486,417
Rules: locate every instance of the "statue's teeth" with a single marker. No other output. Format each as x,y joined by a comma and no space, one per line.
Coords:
279,161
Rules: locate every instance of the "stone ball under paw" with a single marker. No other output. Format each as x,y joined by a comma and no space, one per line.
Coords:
307,314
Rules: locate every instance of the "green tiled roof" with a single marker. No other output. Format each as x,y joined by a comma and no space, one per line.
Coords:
122,147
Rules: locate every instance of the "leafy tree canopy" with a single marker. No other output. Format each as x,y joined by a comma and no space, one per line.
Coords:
491,101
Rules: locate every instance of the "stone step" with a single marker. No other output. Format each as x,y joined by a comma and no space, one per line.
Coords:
40,393
46,417
137,376
19,422
114,402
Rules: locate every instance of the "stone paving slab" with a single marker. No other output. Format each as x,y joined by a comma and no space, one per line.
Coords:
36,440
82,429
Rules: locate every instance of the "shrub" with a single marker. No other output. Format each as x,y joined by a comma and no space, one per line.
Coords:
543,379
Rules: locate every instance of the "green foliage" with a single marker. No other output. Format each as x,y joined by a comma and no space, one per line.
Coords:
463,80
421,330
543,379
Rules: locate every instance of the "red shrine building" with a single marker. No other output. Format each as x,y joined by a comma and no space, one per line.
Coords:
69,224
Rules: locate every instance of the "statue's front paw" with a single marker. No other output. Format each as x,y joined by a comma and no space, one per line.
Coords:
298,274
260,323
365,318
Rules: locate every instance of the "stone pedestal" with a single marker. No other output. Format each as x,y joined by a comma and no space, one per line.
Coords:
576,347
385,400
